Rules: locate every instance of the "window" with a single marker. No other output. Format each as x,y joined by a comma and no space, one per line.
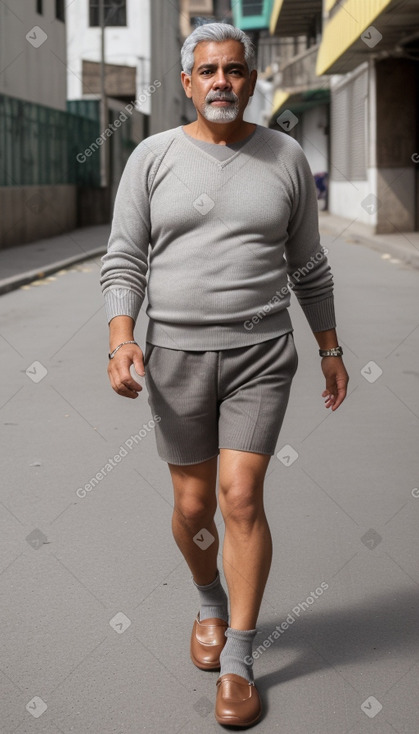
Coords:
115,12
59,10
252,15
252,8
39,8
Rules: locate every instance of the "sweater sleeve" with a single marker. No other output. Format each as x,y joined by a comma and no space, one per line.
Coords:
308,269
125,265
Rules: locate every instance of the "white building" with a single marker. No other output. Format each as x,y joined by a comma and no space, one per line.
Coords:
33,51
127,44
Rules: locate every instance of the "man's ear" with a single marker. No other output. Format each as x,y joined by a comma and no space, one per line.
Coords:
186,83
253,80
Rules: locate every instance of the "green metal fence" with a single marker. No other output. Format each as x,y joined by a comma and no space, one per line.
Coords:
39,145
124,133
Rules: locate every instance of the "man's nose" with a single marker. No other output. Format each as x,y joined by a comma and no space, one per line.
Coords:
221,81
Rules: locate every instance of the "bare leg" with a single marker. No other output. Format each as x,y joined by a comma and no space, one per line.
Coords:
195,504
247,552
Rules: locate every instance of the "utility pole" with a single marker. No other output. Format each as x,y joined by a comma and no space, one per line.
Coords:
103,103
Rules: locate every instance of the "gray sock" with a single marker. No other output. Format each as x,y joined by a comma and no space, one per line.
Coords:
236,655
214,602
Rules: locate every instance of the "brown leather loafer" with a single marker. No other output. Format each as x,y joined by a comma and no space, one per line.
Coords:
207,641
237,702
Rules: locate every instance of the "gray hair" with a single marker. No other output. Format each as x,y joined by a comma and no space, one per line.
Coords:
217,32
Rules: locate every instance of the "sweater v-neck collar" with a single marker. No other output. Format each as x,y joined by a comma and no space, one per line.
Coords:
221,164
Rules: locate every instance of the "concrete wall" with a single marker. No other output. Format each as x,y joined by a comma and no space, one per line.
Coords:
314,123
93,206
169,106
259,108
346,197
387,200
396,197
34,212
391,210
396,102
129,45
33,53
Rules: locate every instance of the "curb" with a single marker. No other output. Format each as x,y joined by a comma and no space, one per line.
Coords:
16,281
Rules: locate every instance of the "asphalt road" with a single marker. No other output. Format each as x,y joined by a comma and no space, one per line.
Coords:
96,600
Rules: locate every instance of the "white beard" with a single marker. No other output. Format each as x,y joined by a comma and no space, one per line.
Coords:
220,114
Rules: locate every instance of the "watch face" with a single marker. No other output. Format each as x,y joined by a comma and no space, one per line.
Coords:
334,352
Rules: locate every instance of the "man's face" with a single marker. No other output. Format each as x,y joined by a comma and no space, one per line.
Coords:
220,84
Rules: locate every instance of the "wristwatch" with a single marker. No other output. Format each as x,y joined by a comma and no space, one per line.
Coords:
334,352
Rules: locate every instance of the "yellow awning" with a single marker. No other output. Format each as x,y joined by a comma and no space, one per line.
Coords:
280,97
342,47
275,15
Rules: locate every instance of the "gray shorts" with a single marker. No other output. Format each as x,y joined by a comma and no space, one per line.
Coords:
231,398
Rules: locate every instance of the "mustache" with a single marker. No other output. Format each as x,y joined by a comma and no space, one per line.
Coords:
221,97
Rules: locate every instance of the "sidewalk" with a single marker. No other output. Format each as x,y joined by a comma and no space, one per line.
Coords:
23,264
26,263
403,246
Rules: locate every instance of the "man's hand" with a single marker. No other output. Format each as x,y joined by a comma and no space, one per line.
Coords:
337,380
119,370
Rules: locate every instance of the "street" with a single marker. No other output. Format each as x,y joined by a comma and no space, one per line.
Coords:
97,603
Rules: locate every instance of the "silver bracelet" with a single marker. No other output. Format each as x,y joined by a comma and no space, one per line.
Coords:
112,354
334,352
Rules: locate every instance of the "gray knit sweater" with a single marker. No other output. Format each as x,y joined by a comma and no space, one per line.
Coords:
213,242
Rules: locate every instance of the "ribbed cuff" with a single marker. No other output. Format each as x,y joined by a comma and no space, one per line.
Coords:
243,635
320,315
212,585
236,656
121,301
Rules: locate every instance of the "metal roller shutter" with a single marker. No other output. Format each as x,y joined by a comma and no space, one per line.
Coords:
348,130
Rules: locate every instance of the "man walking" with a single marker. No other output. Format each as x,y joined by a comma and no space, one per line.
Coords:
227,213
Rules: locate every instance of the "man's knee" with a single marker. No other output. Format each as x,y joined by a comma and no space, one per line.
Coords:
240,501
196,480
194,512
195,505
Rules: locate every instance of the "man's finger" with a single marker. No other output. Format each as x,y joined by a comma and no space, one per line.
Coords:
129,384
139,365
122,377
126,390
340,397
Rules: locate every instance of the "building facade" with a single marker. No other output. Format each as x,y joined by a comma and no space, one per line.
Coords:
33,54
38,196
301,105
352,100
108,76
61,159
169,107
127,49
370,51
